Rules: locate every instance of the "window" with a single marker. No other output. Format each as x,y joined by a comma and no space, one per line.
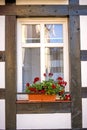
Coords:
42,47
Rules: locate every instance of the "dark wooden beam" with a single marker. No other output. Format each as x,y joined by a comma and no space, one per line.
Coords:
10,41
2,56
43,10
10,1
83,55
73,2
43,107
84,92
34,10
75,71
2,93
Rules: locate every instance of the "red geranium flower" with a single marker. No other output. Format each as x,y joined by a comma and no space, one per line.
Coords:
36,79
45,75
53,86
27,84
67,96
59,78
50,74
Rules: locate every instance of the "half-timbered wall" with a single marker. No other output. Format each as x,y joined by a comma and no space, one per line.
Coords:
60,115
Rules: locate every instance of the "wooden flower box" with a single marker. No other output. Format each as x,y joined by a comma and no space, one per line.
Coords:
41,97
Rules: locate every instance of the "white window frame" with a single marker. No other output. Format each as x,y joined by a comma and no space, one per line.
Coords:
20,45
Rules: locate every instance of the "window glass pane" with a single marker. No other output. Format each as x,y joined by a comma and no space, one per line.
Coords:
54,61
31,64
31,33
53,33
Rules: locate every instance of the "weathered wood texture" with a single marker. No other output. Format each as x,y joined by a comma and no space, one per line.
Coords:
83,55
47,107
10,1
2,56
2,93
84,92
34,10
73,2
75,71
43,10
10,72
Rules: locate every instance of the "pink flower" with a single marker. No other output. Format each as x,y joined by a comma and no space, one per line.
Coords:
36,79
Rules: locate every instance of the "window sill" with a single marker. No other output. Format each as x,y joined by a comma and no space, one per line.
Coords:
27,101
26,107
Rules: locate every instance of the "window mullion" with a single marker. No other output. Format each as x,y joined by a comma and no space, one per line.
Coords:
42,52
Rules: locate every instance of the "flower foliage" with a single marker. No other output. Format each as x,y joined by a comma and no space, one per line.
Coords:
48,86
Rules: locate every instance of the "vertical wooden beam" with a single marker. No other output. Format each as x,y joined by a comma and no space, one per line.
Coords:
10,72
75,68
75,71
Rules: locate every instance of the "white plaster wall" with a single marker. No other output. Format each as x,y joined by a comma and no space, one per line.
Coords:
84,112
47,2
84,73
2,114
2,74
2,2
83,2
83,34
2,33
83,46
44,121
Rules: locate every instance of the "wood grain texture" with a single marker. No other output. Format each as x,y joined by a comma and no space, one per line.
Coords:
10,72
75,71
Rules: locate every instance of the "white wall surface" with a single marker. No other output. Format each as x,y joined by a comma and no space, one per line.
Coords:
2,2
83,44
44,121
83,34
2,33
2,114
83,2
47,2
2,74
84,112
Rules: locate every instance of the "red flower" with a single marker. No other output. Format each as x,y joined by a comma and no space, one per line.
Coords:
36,79
42,91
59,78
67,96
53,86
45,75
50,74
63,83
32,89
27,84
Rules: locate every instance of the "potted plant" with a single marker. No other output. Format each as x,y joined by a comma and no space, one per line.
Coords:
46,90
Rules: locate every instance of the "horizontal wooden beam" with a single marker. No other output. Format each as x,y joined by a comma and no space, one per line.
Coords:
84,92
44,107
2,93
34,10
10,1
43,10
78,10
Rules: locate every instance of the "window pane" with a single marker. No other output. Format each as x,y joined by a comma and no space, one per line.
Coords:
53,33
31,64
54,61
31,33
